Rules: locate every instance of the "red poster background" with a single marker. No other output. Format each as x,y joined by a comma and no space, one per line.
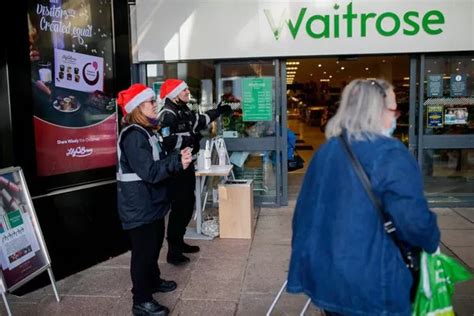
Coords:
62,149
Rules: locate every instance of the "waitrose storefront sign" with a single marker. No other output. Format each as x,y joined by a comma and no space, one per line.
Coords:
185,30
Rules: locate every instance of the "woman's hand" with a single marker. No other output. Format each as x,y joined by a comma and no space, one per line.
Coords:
186,157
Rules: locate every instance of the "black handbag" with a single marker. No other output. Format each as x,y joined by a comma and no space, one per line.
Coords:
411,255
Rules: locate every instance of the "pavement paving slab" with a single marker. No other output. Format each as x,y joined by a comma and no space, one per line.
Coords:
228,276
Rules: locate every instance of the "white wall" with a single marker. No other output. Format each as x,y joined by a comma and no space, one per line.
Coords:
213,29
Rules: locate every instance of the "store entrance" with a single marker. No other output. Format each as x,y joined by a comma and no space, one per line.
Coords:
314,87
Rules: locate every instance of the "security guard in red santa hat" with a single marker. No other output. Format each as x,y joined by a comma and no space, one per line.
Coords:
143,202
181,128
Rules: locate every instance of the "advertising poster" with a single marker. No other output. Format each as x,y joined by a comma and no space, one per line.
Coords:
435,116
72,77
78,71
455,116
21,253
458,86
435,86
257,99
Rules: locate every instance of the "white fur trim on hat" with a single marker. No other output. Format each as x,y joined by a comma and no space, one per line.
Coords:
139,98
174,93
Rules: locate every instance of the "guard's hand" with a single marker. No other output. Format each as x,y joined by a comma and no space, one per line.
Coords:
186,157
224,109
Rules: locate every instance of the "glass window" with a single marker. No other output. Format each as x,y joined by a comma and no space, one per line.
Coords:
449,91
449,170
198,75
259,166
249,88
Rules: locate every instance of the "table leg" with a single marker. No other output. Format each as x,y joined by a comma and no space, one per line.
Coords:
197,193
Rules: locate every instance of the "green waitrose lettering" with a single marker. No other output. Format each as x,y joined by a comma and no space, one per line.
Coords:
326,26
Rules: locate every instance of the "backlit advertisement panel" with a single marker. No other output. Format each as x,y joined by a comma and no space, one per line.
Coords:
71,54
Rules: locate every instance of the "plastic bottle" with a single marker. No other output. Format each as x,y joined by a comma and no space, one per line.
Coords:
207,156
221,152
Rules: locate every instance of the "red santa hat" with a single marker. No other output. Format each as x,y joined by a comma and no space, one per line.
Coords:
129,99
171,88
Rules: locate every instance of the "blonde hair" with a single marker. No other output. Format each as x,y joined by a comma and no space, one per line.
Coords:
360,111
137,117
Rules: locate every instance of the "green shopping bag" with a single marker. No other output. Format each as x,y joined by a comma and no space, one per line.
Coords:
438,274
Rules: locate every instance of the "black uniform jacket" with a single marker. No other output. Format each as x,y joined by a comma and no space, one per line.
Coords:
143,202
183,125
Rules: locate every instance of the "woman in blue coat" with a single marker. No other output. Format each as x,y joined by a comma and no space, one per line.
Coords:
143,197
341,256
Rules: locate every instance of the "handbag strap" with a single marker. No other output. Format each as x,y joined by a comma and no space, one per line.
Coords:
364,179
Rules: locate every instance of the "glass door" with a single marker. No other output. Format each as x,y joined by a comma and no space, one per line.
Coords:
446,131
253,132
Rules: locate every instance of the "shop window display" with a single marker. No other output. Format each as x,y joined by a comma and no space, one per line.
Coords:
449,111
449,91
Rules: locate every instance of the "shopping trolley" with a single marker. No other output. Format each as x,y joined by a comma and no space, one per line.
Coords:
305,308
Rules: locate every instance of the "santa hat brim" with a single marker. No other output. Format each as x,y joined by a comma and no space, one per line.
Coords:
174,93
146,94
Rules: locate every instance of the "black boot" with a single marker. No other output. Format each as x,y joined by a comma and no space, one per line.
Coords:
189,248
165,286
176,258
150,308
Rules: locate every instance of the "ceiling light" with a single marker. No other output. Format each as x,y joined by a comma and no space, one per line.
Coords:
429,70
337,61
406,78
342,68
319,65
457,69
330,76
324,80
366,68
324,72
311,75
383,60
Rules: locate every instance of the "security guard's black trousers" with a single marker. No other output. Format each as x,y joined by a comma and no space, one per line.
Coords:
146,245
182,207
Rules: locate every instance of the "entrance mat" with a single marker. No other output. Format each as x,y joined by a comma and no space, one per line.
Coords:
304,147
